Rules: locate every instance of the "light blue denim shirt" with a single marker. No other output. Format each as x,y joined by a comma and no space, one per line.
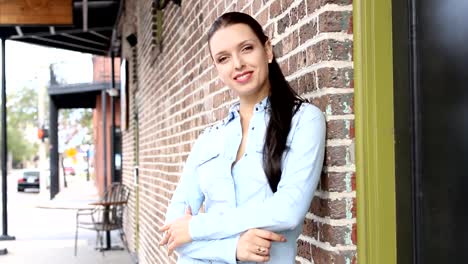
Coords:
239,198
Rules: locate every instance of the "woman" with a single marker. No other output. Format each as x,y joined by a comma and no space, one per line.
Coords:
257,170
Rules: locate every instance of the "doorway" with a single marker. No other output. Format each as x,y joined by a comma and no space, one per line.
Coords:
431,128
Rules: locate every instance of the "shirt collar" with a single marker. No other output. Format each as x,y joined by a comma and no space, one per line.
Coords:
234,109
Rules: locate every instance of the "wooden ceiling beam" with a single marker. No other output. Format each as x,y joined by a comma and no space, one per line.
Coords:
36,12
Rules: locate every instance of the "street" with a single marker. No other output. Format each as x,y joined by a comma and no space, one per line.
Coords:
45,234
26,221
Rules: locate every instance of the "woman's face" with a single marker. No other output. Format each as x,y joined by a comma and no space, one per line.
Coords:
242,60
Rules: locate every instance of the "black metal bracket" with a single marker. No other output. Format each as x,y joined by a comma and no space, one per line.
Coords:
157,22
161,4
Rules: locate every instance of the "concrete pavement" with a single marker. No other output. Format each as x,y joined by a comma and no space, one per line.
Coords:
49,247
58,251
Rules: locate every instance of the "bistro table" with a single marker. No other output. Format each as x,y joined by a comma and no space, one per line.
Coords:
106,219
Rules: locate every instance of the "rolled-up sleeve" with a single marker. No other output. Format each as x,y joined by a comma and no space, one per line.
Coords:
219,250
188,193
286,209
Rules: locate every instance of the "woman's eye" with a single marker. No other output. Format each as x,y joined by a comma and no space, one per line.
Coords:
247,48
222,59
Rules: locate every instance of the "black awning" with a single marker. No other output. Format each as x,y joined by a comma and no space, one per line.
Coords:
82,95
93,34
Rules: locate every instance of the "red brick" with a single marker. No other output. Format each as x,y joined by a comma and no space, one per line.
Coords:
275,9
336,78
290,42
335,235
285,4
335,21
263,17
337,181
257,5
337,2
283,23
295,85
335,104
330,49
278,49
284,67
269,30
241,3
304,249
308,31
335,209
310,228
298,13
306,83
322,256
337,156
340,129
313,5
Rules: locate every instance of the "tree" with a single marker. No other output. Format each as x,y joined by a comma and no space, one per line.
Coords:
21,119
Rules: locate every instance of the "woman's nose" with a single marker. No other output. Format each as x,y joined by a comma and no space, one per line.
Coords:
238,62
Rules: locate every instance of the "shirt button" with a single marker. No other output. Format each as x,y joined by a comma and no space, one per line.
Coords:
253,128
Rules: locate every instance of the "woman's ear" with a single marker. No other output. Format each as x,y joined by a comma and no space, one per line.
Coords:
269,51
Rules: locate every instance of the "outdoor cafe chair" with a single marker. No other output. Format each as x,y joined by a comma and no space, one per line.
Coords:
105,216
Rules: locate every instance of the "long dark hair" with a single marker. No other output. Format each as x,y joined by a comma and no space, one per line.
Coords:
284,101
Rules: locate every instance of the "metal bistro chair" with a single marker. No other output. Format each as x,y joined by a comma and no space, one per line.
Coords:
107,215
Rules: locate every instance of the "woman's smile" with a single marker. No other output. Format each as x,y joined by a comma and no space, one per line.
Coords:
243,77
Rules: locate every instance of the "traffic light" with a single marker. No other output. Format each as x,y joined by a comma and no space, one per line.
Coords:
42,133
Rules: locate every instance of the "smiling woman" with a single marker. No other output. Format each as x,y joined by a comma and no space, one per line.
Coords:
242,63
256,171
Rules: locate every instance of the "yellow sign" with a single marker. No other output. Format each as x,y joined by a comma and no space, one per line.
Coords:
71,152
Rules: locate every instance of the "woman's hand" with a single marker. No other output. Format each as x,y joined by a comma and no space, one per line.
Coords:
177,232
254,245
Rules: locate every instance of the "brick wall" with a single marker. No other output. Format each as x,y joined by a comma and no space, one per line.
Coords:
102,69
129,135
102,73
177,94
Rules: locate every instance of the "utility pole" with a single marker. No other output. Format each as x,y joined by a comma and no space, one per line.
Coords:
44,176
3,134
112,134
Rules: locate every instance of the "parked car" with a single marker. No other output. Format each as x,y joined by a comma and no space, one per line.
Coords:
29,178
70,171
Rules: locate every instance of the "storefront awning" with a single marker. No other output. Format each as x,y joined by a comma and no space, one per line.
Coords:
93,29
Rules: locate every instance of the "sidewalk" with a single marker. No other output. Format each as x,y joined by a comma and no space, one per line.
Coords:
59,247
77,195
58,252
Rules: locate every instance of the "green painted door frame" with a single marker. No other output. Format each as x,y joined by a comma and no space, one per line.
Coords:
375,154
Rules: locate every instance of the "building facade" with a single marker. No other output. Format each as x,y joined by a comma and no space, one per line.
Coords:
102,73
174,93
389,75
